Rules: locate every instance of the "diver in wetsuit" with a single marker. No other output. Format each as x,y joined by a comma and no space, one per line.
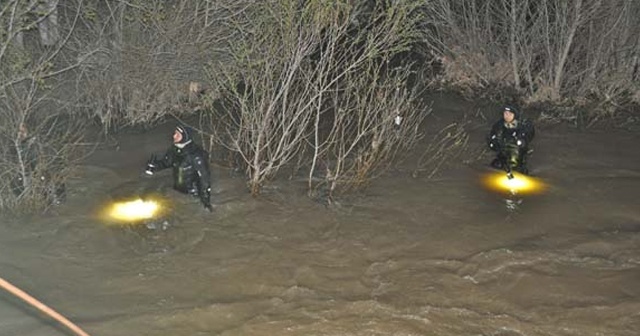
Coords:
190,164
510,138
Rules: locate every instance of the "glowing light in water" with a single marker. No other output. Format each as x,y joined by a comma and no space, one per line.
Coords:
133,210
519,184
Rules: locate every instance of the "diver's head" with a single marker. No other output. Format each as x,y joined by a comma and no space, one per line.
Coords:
181,136
509,114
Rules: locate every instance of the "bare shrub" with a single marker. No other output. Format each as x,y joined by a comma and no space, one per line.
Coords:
40,146
294,69
39,132
266,100
450,142
469,41
635,95
149,53
142,94
373,127
547,50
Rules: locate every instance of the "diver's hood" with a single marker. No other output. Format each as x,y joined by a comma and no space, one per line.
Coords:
513,110
186,136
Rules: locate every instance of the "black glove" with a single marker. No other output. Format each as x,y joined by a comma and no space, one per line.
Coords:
494,143
205,198
151,166
208,207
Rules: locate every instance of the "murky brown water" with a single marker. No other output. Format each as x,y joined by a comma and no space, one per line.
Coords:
410,257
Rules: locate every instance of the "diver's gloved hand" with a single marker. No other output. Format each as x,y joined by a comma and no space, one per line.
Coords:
151,166
205,198
208,207
494,144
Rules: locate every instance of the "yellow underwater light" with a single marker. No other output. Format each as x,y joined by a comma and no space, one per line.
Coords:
133,210
520,184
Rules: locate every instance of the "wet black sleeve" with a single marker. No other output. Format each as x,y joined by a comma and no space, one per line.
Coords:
201,165
202,169
494,140
525,133
159,163
529,131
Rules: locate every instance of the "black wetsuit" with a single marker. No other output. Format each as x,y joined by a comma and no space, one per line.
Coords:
511,142
190,166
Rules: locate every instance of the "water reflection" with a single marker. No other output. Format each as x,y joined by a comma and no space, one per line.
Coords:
513,188
519,184
513,202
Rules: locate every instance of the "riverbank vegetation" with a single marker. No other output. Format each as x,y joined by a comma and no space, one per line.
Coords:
327,91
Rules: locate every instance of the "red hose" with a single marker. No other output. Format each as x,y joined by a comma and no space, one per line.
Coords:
41,306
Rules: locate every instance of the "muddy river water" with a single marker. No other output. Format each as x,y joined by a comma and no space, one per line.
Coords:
409,256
